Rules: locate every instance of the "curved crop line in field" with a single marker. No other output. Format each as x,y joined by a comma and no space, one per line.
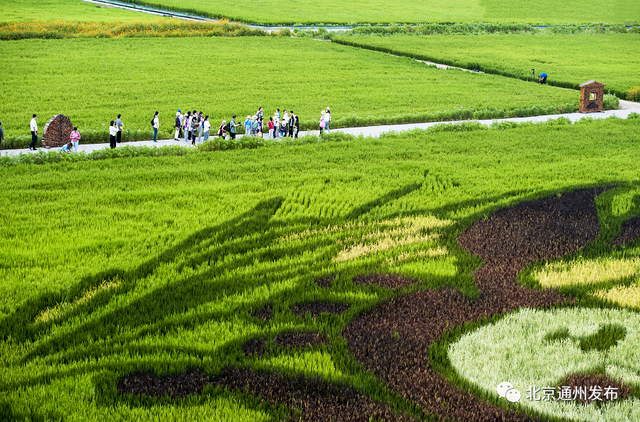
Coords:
238,237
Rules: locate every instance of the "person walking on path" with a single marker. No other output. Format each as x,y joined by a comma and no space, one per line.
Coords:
75,139
260,116
322,121
207,128
1,135
156,126
255,126
119,126
292,122
195,125
233,127
327,120
178,124
222,130
200,127
34,133
112,134
276,124
270,127
186,127
247,126
296,125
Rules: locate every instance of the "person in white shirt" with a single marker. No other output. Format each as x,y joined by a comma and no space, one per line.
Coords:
34,133
207,129
113,131
156,126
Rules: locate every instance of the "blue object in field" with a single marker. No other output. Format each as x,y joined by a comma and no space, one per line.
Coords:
543,75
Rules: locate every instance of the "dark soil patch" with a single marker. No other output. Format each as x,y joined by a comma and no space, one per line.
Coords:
630,232
308,398
288,340
325,282
393,340
297,339
264,314
256,346
317,308
391,281
600,382
174,386
315,398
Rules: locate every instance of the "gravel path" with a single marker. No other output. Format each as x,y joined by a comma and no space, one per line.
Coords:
373,131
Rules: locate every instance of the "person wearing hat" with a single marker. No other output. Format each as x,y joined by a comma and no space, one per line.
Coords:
178,124
254,126
119,127
247,126
34,133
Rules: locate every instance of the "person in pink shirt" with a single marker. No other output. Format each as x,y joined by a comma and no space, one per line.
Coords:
75,139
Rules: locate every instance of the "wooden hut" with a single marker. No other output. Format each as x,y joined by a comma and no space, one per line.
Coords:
591,96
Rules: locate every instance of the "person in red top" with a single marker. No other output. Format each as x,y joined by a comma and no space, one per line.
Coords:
271,127
75,139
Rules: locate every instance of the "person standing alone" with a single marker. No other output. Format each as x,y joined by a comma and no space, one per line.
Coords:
156,126
119,126
34,133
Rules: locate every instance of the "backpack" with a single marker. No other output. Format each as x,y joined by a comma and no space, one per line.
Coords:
177,121
154,117
227,128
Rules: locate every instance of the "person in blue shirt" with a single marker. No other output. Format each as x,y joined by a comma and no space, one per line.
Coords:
247,126
543,78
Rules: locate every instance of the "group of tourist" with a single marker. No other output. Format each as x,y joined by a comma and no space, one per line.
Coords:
195,127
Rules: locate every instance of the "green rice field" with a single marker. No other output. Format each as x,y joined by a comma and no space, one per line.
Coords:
569,60
545,12
136,77
68,10
420,276
358,12
157,263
